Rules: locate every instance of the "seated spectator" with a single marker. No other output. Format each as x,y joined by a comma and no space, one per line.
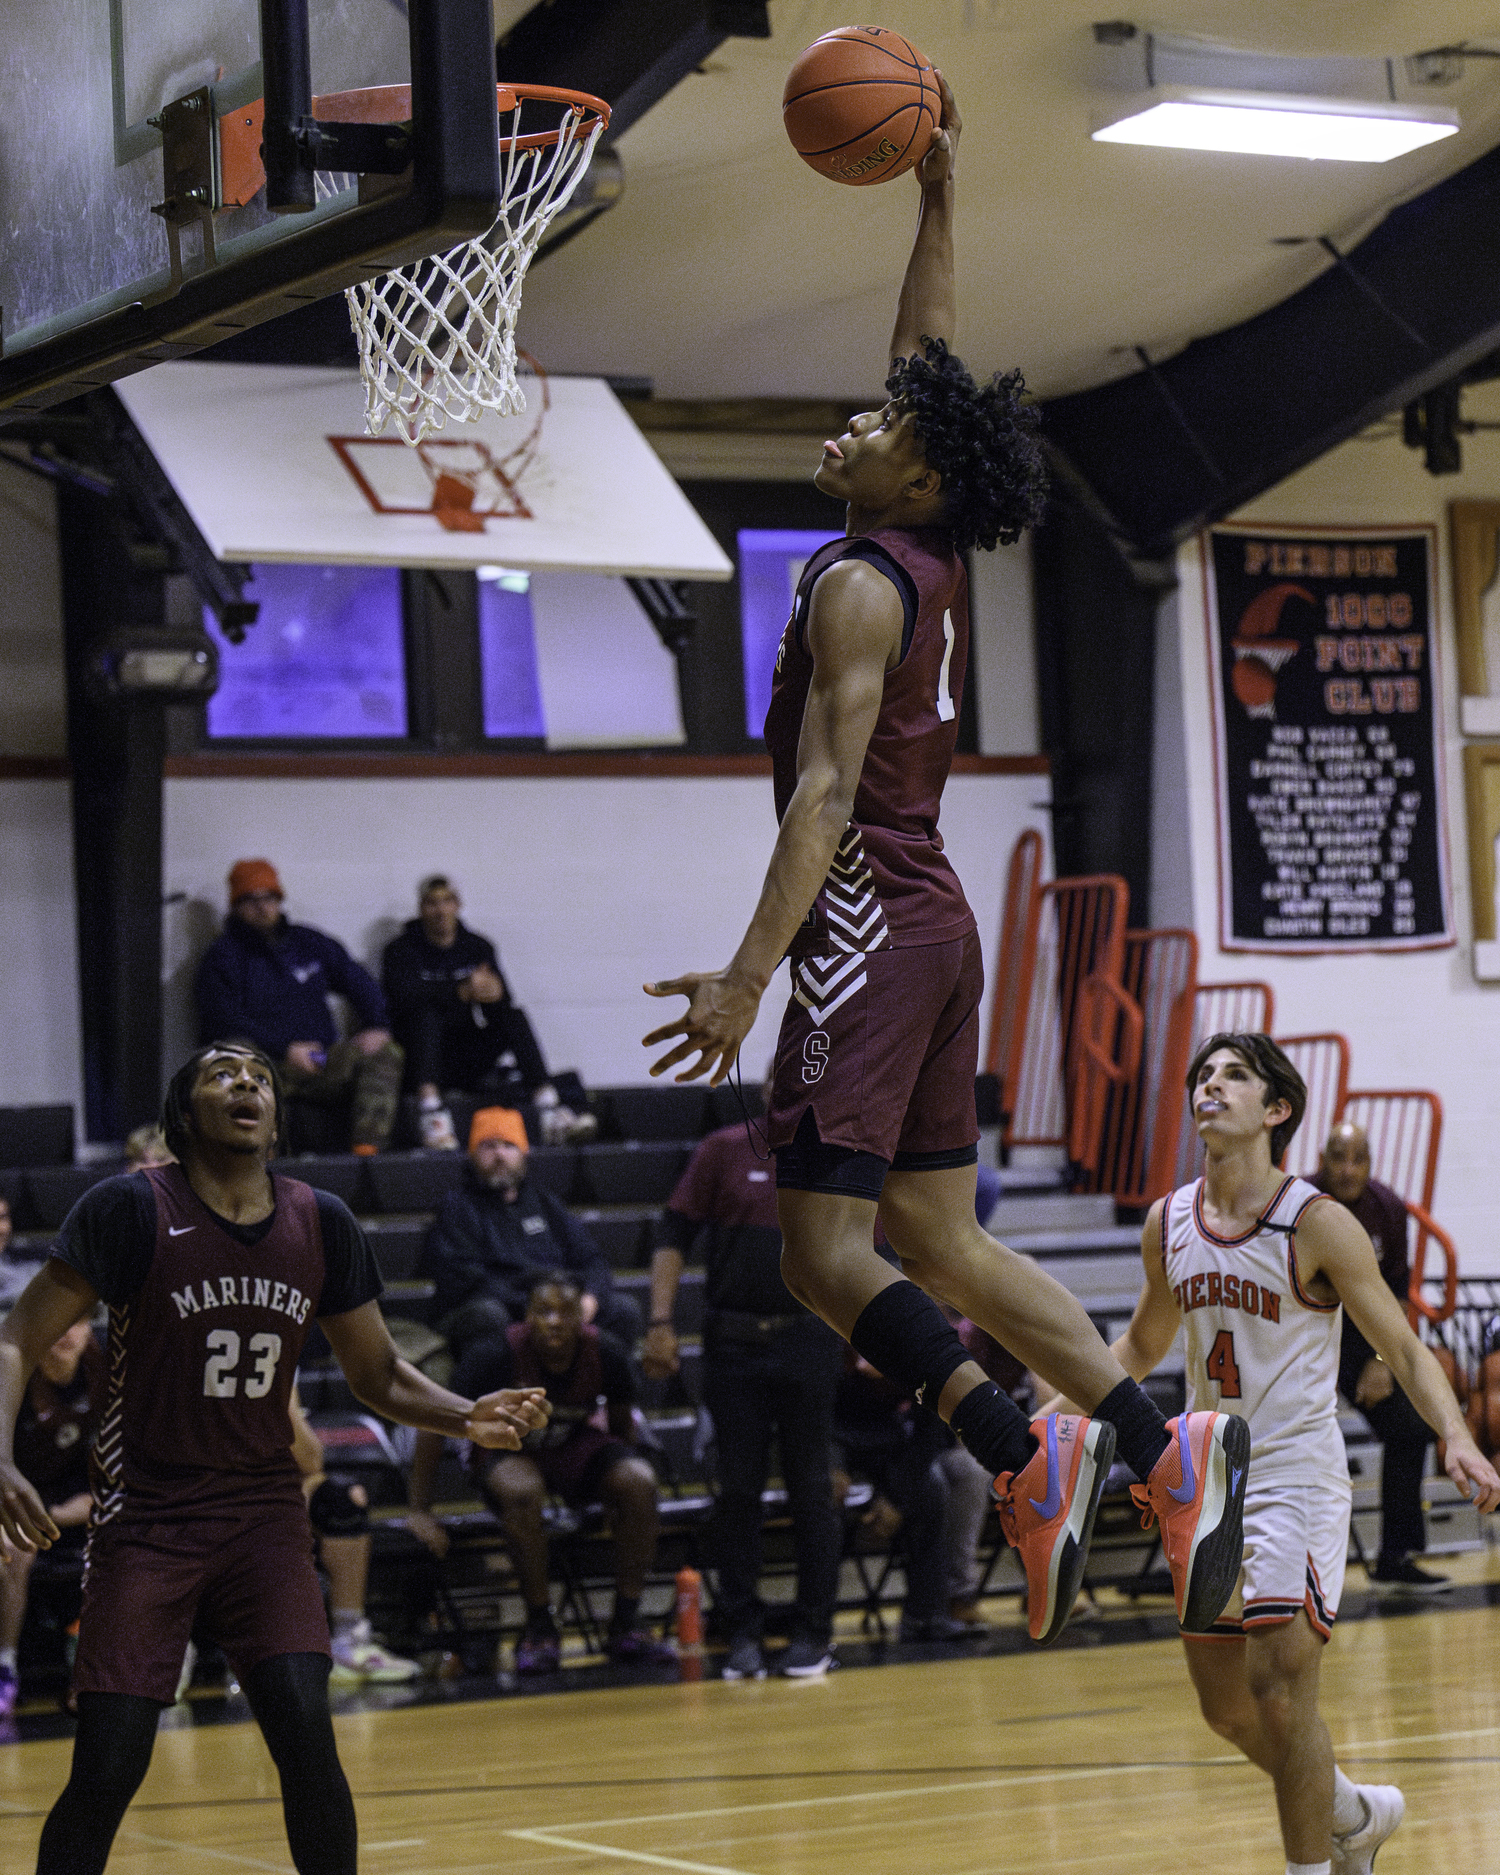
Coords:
885,1438
492,1238
266,981
147,1145
1365,1380
770,1366
339,1510
453,1014
572,1457
54,1434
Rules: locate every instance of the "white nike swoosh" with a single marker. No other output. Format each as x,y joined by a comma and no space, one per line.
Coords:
180,1230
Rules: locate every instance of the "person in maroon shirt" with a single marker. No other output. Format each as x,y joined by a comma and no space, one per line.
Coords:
213,1268
1365,1380
874,1077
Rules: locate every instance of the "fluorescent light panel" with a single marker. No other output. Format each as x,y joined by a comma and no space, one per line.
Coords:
1267,124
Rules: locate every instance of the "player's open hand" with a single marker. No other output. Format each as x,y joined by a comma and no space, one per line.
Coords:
1471,1471
941,160
721,1012
503,1419
24,1518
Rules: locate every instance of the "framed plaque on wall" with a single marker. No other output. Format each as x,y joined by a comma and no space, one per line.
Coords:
1331,822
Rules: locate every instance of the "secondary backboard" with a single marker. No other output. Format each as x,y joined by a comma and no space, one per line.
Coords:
96,282
271,463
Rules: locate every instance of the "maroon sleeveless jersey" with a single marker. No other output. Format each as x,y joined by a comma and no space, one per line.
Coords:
202,1358
573,1395
890,882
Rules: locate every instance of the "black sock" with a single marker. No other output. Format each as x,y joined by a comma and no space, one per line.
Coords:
1139,1426
993,1428
626,1608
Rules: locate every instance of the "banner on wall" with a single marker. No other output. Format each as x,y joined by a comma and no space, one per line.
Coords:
1330,814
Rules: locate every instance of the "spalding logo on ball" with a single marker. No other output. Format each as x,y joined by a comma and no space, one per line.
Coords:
862,105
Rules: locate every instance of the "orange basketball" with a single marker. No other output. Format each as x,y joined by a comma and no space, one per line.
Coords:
1254,683
861,105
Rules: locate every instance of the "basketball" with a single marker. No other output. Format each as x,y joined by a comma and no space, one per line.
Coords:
861,105
1254,683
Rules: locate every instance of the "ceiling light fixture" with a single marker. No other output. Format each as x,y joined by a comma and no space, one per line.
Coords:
1264,123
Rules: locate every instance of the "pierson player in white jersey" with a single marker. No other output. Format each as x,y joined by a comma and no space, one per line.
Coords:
1254,1266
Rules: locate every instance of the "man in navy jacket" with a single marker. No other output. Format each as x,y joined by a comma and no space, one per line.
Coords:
266,981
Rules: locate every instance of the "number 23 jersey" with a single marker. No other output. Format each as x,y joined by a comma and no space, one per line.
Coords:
1258,1343
206,1324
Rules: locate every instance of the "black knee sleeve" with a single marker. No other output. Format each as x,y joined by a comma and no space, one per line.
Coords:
904,1335
333,1510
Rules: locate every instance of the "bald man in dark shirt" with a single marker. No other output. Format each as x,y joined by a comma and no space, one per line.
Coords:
1364,1379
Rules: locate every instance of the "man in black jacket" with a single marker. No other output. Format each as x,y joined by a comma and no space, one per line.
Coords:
492,1238
266,981
453,1013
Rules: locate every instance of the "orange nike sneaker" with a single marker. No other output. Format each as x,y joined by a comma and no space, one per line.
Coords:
1047,1512
1196,1495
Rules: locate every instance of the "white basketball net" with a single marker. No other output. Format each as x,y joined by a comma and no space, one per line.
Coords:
437,337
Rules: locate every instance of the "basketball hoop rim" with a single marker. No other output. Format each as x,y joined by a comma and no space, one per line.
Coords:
391,104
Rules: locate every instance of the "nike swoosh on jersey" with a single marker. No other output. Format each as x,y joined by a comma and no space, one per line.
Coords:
1048,1506
1184,1493
180,1230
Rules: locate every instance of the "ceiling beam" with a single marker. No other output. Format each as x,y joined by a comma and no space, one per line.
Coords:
1179,444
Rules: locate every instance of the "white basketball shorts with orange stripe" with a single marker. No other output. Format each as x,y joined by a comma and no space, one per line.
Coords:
1296,1547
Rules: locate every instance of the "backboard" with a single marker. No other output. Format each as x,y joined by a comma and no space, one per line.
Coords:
97,282
270,462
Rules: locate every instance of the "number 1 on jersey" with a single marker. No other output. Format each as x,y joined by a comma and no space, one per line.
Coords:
1221,1366
944,694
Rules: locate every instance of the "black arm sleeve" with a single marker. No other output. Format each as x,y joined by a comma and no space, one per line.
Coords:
109,1236
351,1278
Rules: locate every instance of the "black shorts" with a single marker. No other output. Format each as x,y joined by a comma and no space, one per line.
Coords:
246,1578
881,1048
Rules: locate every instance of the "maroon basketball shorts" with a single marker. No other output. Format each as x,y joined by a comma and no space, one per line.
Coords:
244,1578
573,1469
881,1047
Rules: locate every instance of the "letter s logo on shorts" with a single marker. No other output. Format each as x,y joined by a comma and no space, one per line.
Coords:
814,1056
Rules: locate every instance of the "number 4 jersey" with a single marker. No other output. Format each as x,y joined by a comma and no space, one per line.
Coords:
891,882
1258,1343
206,1324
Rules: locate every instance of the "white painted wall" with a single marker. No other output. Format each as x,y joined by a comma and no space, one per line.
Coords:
1001,622
588,886
1413,1020
39,1032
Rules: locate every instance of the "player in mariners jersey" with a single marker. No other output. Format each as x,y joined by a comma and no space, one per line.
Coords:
873,1093
214,1269
1253,1266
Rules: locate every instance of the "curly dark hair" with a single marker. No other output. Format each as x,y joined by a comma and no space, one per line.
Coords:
177,1107
981,438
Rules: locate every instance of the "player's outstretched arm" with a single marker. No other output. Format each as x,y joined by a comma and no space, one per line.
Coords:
928,306
1332,1243
1153,1326
854,634
55,1298
392,1387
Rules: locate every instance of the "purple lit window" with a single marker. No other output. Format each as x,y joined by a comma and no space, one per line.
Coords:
325,658
771,563
507,655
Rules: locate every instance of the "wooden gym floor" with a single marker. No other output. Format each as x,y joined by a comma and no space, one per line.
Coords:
1089,1757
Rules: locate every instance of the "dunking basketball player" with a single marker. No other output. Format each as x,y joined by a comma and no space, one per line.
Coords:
1255,1267
873,1100
213,1269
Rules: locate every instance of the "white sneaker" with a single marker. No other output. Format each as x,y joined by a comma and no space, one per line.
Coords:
358,1658
1354,1854
435,1127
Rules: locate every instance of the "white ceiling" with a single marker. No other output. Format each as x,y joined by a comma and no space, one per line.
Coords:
731,269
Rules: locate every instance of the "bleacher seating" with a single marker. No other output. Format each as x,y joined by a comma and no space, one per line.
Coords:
36,1136
632,1173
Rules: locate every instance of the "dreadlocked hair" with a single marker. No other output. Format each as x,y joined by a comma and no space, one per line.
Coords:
177,1105
981,438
